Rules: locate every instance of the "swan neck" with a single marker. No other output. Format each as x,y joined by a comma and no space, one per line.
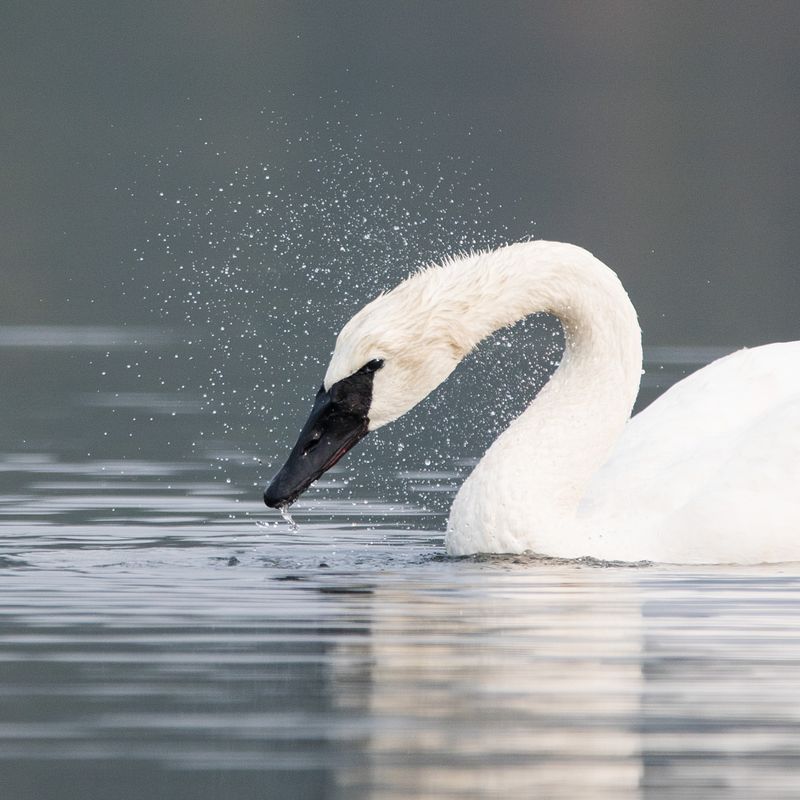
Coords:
533,477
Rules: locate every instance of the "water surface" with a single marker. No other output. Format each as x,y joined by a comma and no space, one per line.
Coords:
157,641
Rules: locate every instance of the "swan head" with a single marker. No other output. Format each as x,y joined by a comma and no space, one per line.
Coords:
388,358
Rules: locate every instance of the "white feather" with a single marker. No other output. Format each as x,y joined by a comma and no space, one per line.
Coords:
706,474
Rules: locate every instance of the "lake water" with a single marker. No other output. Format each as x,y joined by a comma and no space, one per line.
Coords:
157,642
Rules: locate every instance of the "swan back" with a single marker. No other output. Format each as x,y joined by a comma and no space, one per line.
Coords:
709,469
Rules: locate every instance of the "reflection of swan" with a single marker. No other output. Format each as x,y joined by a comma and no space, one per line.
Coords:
708,473
460,698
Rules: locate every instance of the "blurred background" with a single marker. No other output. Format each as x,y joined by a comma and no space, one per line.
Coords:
662,136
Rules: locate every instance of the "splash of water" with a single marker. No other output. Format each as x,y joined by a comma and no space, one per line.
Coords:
283,510
264,259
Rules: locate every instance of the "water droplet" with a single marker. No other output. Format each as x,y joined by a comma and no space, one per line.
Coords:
283,510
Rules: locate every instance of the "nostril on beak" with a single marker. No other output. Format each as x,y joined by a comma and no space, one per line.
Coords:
310,445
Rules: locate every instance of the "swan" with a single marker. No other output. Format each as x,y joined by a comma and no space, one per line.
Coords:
708,473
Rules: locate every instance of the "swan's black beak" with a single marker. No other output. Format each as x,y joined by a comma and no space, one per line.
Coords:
337,422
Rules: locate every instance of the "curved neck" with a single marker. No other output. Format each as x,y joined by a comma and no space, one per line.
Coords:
529,483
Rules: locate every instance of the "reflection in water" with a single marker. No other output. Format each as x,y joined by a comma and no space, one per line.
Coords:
578,683
521,687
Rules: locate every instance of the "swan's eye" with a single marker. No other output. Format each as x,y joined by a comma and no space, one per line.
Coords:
371,366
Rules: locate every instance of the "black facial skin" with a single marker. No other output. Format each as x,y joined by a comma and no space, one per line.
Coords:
338,420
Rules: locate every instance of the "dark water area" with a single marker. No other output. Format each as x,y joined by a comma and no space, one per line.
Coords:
164,635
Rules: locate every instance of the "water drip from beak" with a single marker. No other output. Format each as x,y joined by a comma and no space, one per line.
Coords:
283,510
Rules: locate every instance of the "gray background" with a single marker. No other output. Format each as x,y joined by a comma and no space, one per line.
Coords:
662,136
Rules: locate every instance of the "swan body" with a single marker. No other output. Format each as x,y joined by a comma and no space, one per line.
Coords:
708,473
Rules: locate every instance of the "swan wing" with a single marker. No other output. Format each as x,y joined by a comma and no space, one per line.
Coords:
710,472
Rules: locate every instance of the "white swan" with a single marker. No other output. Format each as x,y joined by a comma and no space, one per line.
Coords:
708,473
